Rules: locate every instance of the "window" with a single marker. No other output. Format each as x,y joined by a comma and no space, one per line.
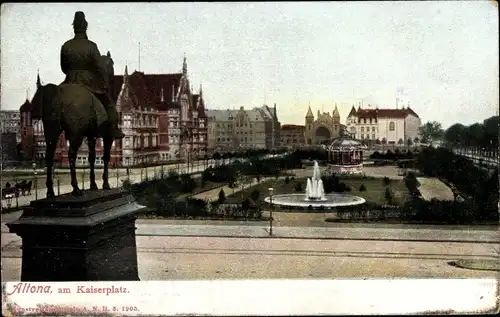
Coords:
373,136
362,136
373,129
362,129
391,126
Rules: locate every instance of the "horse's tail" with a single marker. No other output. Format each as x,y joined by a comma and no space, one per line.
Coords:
43,102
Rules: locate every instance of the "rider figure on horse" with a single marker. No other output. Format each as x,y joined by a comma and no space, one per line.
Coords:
80,63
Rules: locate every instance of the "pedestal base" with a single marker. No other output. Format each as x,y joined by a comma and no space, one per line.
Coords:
87,238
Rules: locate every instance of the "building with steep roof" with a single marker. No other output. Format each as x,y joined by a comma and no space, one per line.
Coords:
323,128
160,115
257,128
390,126
292,136
181,127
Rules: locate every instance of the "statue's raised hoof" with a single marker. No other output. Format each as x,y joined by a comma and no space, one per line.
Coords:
106,186
77,192
93,186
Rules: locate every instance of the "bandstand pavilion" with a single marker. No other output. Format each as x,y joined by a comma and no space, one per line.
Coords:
345,156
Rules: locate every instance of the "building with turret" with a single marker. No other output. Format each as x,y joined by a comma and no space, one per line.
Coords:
323,128
161,117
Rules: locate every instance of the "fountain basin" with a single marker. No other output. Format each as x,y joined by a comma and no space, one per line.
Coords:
331,201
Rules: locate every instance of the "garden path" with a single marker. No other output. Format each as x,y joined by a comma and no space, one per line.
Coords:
431,187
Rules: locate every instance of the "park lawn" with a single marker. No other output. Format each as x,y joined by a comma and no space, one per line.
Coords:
278,185
375,190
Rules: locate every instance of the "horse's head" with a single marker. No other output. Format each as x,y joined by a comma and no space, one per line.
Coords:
42,100
107,64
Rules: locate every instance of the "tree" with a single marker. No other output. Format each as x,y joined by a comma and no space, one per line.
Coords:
377,141
29,148
222,196
474,135
431,131
384,141
490,127
401,142
216,157
388,195
409,142
416,139
386,180
455,135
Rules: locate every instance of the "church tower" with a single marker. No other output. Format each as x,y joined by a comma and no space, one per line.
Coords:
309,118
336,115
308,126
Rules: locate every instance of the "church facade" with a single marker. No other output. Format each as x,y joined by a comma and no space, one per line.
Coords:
322,128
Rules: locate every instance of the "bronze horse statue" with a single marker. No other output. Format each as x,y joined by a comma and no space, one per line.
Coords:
76,111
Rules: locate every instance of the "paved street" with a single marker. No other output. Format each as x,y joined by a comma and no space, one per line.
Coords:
180,258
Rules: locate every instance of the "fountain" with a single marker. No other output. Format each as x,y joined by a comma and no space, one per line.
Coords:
315,196
314,187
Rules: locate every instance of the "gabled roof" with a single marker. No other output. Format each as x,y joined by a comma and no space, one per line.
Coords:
292,127
148,88
352,113
155,82
384,113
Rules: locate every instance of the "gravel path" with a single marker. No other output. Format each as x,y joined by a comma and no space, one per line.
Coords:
434,188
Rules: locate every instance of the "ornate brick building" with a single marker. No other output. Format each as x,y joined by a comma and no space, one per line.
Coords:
161,118
182,122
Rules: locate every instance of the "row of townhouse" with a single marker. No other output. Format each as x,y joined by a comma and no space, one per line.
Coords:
256,128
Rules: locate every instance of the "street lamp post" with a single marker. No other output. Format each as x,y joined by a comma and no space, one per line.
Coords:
36,180
271,190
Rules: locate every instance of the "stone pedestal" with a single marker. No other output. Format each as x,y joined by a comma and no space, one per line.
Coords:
87,238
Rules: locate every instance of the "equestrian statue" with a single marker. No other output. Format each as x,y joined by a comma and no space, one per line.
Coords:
81,106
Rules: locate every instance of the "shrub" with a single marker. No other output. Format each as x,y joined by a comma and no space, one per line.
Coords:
375,155
362,188
298,187
287,180
222,196
388,195
245,205
386,180
188,184
127,185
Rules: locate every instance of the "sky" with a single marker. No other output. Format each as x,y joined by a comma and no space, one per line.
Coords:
441,56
